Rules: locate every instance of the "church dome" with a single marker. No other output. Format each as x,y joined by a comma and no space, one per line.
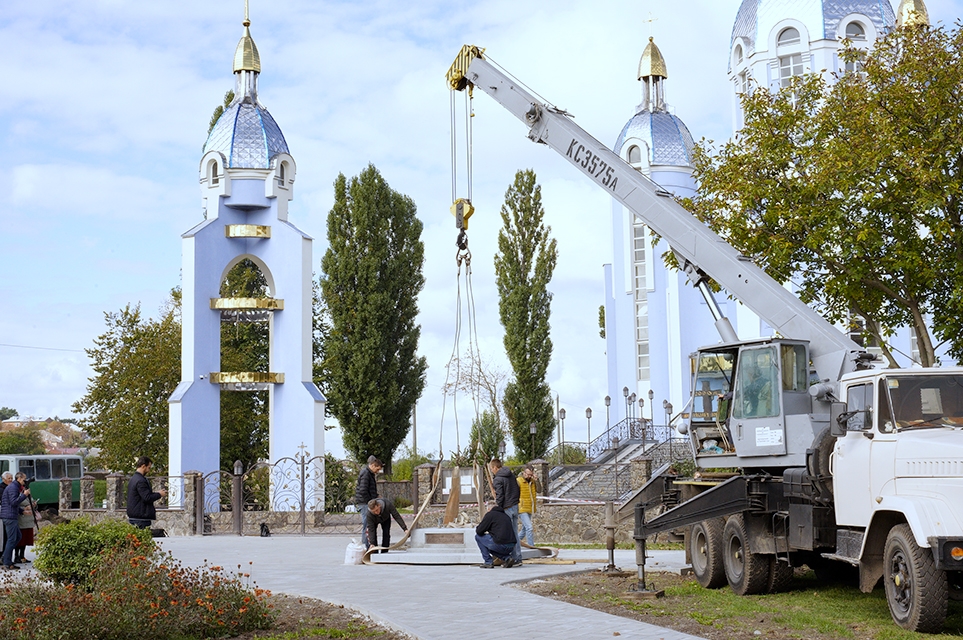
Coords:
246,134
756,18
666,137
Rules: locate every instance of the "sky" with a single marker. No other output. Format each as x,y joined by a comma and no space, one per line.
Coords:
104,108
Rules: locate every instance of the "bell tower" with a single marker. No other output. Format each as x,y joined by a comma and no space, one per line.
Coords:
247,180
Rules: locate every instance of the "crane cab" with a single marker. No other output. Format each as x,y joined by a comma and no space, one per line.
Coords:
751,405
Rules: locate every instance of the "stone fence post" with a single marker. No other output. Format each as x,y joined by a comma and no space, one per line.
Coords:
422,481
86,494
65,494
541,475
191,499
640,471
115,492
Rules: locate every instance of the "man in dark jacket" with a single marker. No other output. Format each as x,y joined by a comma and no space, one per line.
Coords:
140,498
496,536
380,513
13,495
506,497
366,491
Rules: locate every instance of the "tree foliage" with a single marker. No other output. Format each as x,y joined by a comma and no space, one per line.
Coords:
244,347
854,190
523,268
136,364
485,436
6,413
22,440
372,274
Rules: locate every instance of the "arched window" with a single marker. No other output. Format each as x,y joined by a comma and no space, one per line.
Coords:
738,54
855,31
281,173
635,155
788,36
215,178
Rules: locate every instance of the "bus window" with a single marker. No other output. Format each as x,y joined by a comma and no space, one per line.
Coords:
4,466
26,466
42,468
73,468
58,468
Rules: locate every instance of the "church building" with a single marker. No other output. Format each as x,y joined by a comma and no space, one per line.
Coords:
653,318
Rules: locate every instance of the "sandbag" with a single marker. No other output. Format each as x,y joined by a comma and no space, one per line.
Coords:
354,552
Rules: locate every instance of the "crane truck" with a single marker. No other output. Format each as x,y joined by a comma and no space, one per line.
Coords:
839,464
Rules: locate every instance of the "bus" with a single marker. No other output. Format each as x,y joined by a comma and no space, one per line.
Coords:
45,473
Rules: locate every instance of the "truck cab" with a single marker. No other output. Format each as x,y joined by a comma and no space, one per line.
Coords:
897,477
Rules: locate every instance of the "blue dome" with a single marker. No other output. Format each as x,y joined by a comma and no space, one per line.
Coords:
668,139
756,18
247,135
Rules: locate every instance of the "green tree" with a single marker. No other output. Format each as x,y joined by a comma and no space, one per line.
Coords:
219,110
6,413
854,190
23,440
244,347
372,274
485,436
523,268
136,365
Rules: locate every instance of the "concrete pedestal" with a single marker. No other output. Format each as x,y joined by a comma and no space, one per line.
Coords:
443,545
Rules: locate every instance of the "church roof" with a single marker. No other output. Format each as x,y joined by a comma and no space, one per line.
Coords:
756,18
246,134
666,136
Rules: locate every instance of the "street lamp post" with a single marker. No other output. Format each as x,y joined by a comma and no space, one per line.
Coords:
615,445
588,428
501,451
668,419
651,407
625,396
532,428
561,417
608,403
641,417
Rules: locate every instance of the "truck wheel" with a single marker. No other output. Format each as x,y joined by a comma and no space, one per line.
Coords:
818,465
747,572
916,590
780,575
705,549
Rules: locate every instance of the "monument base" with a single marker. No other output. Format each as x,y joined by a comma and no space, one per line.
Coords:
443,545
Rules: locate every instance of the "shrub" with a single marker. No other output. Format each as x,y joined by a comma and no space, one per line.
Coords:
339,485
137,592
404,468
70,551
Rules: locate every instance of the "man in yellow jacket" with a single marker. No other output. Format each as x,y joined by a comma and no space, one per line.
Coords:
526,503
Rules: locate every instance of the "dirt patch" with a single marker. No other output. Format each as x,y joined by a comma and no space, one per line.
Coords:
305,617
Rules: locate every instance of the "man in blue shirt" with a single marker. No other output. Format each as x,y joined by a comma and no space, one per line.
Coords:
13,495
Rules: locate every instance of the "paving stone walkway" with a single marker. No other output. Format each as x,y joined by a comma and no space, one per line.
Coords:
447,602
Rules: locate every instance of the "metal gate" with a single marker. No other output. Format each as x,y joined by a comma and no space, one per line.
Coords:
287,489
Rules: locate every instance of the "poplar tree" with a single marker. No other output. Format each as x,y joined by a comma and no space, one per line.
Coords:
523,268
371,277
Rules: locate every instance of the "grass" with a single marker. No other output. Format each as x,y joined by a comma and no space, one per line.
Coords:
811,609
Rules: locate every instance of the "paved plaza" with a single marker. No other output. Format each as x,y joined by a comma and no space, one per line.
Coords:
443,602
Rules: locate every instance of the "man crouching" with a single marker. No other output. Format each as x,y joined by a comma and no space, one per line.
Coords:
495,537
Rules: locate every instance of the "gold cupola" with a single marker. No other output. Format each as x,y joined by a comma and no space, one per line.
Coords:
652,72
246,57
652,63
912,13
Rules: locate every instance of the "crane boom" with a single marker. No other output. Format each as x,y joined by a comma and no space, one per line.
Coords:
701,252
